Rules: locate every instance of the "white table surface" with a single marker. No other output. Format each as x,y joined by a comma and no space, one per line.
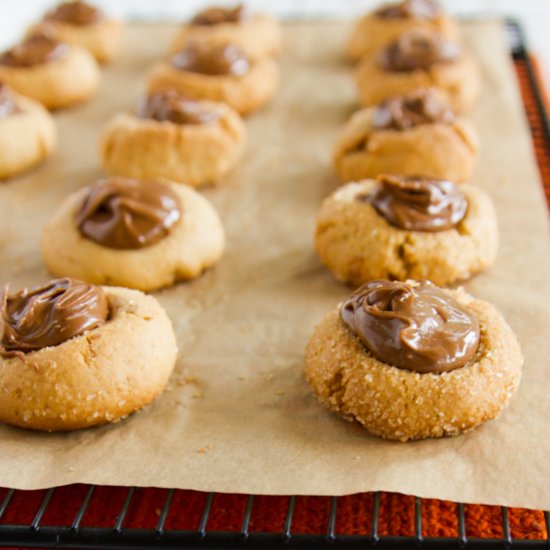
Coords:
15,15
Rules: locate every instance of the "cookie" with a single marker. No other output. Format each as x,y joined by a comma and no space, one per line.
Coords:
419,59
400,228
456,370
172,137
259,35
378,29
27,133
53,73
84,25
133,233
413,134
74,355
220,73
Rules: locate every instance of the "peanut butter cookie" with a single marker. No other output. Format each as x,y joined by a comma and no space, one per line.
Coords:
74,355
406,227
53,73
173,137
411,361
413,134
419,59
257,34
378,29
133,233
77,22
218,73
27,133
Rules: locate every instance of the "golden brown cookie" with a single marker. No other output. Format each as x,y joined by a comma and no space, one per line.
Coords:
53,73
27,133
419,59
143,235
259,35
398,403
358,242
169,136
115,355
410,135
379,28
221,73
79,23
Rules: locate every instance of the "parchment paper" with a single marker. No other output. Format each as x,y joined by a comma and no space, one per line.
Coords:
238,415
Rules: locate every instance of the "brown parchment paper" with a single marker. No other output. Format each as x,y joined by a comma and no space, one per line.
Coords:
238,415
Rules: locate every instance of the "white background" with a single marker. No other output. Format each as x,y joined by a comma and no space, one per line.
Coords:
15,15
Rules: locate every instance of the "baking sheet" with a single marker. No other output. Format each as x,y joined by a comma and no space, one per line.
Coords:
238,415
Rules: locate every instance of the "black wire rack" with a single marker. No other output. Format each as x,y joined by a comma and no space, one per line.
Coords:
35,534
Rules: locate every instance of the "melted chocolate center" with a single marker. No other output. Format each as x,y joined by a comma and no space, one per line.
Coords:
42,316
75,13
216,61
410,9
35,50
412,327
169,105
217,15
128,214
417,49
419,203
414,109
